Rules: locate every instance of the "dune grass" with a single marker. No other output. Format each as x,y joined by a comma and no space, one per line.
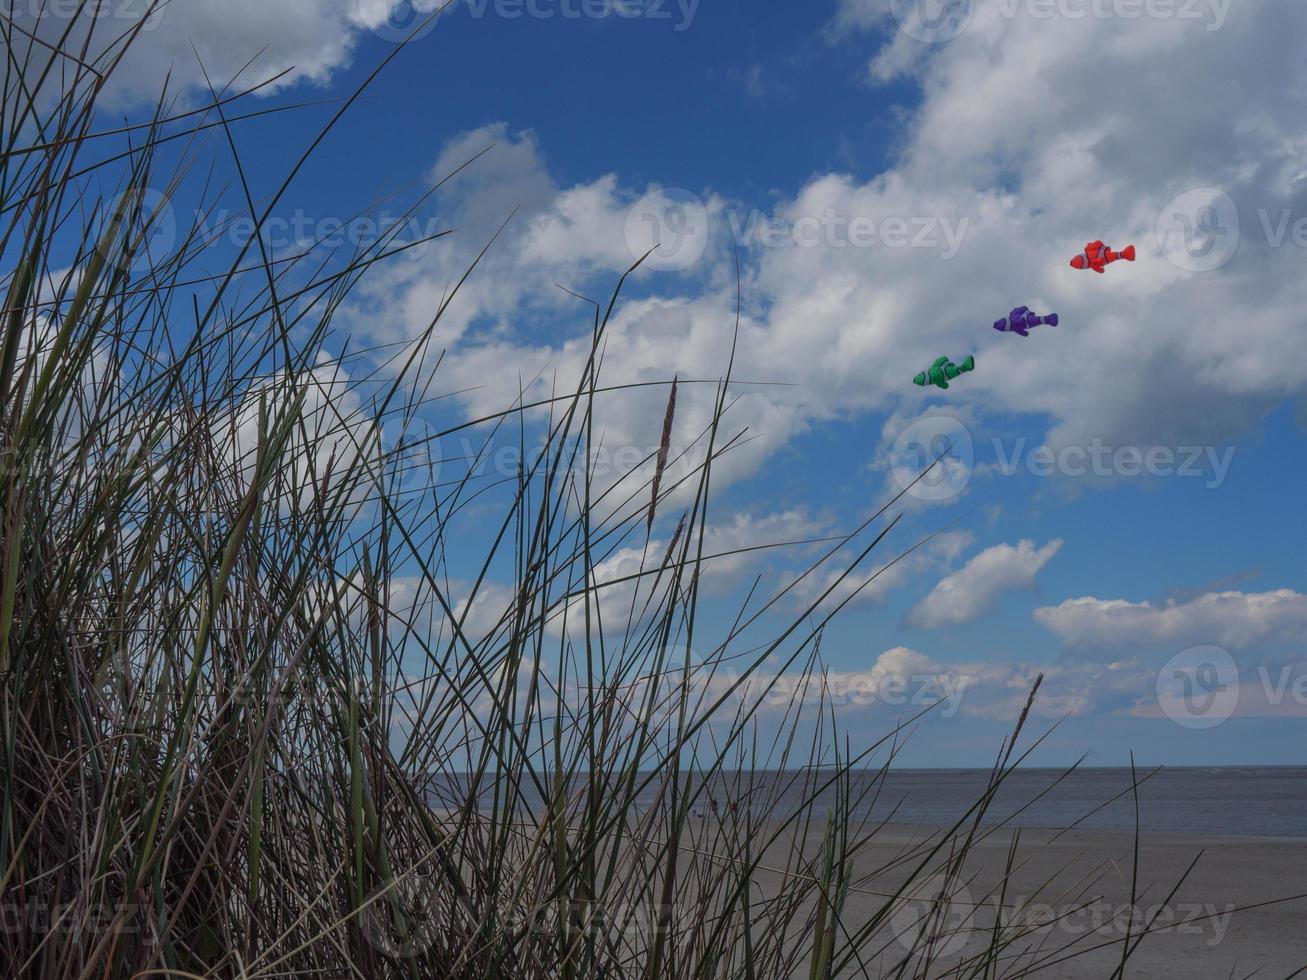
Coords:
248,730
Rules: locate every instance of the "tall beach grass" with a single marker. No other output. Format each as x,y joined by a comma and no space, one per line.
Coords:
248,729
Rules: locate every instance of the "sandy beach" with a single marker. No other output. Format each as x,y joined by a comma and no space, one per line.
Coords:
1077,884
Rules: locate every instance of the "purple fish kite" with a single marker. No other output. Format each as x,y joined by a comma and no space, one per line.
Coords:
1022,321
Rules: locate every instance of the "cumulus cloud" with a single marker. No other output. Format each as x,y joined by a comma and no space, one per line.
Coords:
1011,161
180,41
1234,620
975,589
904,680
623,579
874,585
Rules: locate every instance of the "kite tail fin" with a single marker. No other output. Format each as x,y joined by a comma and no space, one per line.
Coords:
968,365
1129,254
1051,320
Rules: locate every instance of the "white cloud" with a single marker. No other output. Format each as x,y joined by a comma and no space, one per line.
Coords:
1016,156
183,39
873,584
974,590
906,681
1234,620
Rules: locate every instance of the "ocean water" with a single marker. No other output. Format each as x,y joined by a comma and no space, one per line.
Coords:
1252,802
1241,802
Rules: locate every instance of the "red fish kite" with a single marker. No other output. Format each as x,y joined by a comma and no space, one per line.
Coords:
1098,257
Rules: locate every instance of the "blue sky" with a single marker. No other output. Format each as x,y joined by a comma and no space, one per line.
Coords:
1000,151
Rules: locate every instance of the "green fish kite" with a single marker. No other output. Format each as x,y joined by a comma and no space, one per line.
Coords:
943,371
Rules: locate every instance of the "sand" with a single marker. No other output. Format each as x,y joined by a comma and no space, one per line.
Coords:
1082,879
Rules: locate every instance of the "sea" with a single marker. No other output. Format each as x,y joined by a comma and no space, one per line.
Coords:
1221,801
1227,801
